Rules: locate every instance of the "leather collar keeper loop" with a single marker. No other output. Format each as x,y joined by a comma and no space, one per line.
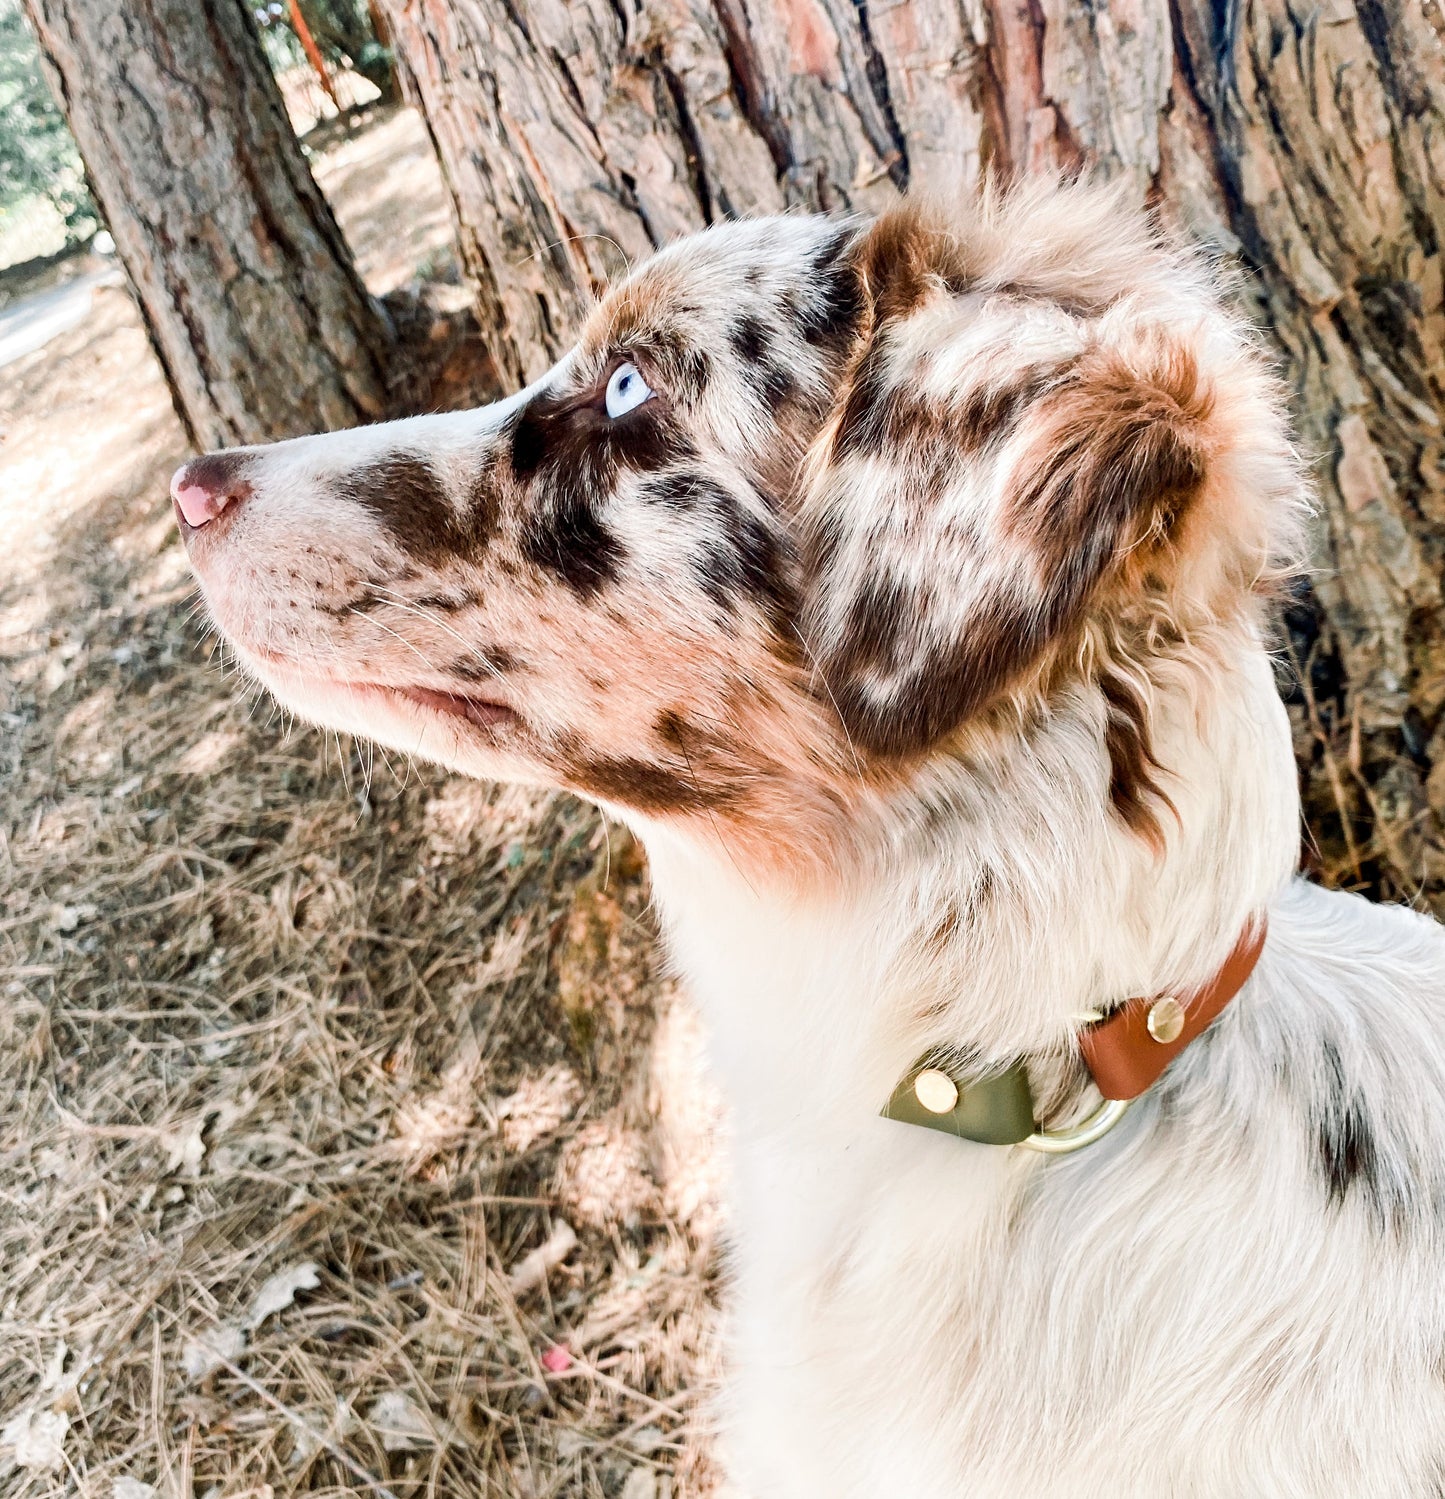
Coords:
1125,1054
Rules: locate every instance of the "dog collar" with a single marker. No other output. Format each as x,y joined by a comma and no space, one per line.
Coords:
1125,1053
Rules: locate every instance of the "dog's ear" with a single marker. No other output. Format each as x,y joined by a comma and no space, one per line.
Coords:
994,462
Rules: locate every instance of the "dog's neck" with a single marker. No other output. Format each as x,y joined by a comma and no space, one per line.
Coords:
993,929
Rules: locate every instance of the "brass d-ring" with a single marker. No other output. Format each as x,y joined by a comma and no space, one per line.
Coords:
1095,1127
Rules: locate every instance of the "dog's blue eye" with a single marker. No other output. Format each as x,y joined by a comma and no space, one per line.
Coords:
626,390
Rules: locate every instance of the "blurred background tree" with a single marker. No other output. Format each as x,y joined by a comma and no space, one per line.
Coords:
39,163
345,32
247,288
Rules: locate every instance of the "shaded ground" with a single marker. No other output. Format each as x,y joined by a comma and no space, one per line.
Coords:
311,1067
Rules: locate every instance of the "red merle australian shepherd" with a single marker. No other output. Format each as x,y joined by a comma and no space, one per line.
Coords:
906,586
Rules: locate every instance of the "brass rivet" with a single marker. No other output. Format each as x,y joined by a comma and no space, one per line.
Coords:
935,1090
1166,1020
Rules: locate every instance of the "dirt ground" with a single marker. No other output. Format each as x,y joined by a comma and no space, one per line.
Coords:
350,1140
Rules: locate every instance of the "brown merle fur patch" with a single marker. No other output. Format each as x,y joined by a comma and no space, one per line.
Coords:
908,256
484,664
1135,774
644,784
1107,450
876,416
571,455
407,495
1116,457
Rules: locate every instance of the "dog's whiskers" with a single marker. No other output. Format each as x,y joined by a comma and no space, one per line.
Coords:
387,630
407,607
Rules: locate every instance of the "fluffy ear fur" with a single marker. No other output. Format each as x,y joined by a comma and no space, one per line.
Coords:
1004,456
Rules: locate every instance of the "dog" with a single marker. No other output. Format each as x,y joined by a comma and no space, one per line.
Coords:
908,586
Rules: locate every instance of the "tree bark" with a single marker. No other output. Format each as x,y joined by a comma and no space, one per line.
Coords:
1307,140
245,283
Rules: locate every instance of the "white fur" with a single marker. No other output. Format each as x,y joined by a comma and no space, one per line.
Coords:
1178,1310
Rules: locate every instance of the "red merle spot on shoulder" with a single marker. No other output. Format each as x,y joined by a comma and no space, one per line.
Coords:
1353,1149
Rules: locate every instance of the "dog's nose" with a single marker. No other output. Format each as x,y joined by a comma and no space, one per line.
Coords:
206,486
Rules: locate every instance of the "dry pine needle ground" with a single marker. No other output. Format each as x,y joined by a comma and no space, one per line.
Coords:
349,1139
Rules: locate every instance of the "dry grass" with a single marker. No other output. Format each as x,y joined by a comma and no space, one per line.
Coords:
309,1067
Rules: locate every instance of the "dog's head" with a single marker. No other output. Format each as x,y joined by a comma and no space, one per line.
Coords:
810,503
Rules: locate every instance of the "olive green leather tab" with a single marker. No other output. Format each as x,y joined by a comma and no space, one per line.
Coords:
992,1110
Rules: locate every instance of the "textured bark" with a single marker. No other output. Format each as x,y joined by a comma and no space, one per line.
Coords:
1305,139
246,286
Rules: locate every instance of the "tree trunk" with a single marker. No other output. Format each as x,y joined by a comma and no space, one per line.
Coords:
1305,139
246,286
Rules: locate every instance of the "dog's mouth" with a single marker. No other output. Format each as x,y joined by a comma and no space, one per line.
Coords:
479,712
482,712
459,708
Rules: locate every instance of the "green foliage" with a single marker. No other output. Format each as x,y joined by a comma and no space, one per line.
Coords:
278,41
343,30
37,155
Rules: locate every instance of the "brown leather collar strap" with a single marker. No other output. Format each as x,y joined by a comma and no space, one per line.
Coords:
1127,1052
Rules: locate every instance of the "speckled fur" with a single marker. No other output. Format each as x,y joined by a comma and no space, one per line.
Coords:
920,628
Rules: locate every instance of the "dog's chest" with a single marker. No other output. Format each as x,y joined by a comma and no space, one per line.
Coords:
913,1316
1191,1307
